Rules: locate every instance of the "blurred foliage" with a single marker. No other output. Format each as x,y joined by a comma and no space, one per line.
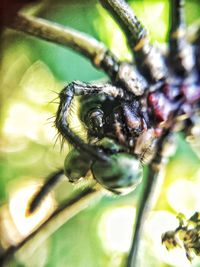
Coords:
32,73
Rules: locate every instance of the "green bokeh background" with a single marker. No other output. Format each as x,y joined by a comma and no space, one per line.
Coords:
32,71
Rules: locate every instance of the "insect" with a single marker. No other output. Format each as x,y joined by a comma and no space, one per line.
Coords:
130,119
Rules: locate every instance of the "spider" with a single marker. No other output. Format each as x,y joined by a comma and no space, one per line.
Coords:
131,119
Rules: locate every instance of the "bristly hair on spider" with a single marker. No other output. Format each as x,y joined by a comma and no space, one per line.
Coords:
129,120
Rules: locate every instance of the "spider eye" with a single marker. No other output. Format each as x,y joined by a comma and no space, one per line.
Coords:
96,121
121,174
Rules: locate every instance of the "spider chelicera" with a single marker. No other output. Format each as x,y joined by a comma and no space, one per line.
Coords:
129,120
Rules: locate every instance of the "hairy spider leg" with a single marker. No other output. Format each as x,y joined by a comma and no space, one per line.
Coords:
181,54
196,44
100,56
152,182
191,130
192,124
81,42
51,181
148,59
148,196
66,96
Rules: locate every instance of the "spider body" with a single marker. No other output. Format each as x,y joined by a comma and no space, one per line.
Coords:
122,121
130,120
114,126
129,124
139,110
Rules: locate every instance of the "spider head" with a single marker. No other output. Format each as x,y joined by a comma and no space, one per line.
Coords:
121,174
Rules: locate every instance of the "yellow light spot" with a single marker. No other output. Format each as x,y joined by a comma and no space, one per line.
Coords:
18,206
157,224
183,196
109,28
25,121
38,83
115,228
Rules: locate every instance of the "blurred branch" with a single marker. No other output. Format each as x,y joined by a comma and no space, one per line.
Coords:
60,216
55,33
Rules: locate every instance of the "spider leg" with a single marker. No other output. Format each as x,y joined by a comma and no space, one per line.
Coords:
148,59
152,185
66,96
52,180
181,54
196,43
150,190
192,132
100,56
81,42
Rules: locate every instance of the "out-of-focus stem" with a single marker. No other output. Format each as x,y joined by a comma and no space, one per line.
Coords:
60,216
